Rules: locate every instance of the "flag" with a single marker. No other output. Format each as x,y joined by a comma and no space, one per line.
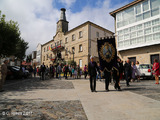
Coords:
107,53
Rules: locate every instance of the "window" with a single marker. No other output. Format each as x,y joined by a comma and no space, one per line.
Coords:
140,33
66,40
51,56
147,24
80,63
146,15
139,27
155,12
133,35
73,37
43,58
155,56
156,28
126,36
148,38
120,38
47,48
80,34
126,43
47,56
155,3
73,49
128,13
132,59
80,48
145,6
119,18
139,17
120,32
97,34
155,22
126,30
133,28
120,44
140,40
66,51
44,50
133,41
138,9
51,45
156,36
147,31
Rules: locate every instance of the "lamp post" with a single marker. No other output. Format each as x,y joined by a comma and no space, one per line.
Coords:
72,53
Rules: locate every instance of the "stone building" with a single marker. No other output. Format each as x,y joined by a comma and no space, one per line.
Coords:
81,40
137,27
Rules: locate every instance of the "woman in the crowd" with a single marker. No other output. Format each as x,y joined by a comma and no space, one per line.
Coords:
156,70
134,70
138,71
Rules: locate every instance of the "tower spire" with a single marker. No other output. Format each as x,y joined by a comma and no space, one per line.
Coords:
63,15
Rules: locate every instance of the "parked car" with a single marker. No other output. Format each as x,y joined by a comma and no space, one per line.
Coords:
146,71
13,73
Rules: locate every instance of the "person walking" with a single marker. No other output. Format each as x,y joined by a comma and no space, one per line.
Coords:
156,70
127,72
73,72
138,71
134,71
4,74
92,70
66,71
99,72
43,70
78,71
35,71
59,70
116,74
85,71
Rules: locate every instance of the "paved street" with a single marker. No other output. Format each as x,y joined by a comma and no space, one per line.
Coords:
34,99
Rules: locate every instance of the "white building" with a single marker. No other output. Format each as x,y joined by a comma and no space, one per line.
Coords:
137,27
38,55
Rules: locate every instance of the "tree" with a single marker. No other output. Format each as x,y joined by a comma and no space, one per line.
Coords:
10,41
21,48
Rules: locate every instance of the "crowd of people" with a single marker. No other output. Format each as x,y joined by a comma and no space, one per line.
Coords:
128,71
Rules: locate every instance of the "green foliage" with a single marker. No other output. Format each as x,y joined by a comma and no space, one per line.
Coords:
73,63
29,58
10,41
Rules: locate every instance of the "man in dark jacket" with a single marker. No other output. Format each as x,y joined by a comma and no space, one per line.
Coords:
116,74
127,72
43,70
92,70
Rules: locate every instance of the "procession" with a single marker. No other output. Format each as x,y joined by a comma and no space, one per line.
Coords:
80,60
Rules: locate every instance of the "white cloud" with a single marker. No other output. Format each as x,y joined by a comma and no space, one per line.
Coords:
37,18
67,3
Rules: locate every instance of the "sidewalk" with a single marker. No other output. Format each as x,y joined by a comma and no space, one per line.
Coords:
113,105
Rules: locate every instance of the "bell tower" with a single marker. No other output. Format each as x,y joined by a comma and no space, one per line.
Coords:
62,24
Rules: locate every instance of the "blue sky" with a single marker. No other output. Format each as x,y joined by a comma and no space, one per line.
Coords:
80,4
37,18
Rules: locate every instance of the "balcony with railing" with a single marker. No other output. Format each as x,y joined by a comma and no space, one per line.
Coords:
58,48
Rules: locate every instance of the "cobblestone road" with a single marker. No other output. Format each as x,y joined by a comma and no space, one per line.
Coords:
39,110
145,87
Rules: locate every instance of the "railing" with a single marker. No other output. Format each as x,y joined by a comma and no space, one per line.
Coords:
59,47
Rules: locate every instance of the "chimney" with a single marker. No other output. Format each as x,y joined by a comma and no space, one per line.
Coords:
63,16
